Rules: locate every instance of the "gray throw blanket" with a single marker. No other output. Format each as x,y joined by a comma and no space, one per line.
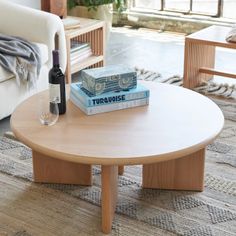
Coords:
21,58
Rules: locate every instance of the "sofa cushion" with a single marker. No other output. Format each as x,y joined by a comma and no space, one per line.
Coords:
5,75
43,52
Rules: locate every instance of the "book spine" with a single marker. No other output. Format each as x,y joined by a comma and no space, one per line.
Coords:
75,48
80,51
110,107
111,99
78,48
77,103
77,95
80,58
117,106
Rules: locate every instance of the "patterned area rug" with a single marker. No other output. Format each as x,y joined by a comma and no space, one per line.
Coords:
209,88
27,208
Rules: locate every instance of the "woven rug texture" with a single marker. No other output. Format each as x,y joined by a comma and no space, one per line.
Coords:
28,209
208,88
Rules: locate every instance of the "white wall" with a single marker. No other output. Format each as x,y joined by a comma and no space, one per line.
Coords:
30,3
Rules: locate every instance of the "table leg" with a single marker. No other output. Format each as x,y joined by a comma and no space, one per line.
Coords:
121,170
109,196
185,173
51,170
196,56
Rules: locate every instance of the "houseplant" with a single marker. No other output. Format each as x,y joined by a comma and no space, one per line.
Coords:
94,4
96,9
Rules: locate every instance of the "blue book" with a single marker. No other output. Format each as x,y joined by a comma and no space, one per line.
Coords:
89,100
108,107
108,78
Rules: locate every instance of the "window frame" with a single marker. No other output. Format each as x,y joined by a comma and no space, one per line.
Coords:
190,10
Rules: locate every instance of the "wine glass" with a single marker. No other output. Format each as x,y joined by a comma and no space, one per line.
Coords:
48,111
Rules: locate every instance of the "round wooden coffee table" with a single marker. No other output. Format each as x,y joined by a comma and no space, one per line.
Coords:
168,138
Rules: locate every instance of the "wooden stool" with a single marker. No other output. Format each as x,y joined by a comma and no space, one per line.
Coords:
199,57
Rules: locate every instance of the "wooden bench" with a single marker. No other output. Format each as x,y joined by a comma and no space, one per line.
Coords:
199,57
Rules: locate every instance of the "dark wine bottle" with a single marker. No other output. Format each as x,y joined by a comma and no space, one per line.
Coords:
57,91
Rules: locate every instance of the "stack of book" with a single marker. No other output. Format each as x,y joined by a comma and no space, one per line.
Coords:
71,23
79,51
108,89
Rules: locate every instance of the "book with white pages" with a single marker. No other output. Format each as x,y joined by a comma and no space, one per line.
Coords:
71,23
108,108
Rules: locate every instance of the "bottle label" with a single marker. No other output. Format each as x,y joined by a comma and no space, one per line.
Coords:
54,93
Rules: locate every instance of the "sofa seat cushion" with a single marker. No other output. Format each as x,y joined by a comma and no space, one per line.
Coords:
43,49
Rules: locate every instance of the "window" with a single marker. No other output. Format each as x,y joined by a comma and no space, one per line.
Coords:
215,8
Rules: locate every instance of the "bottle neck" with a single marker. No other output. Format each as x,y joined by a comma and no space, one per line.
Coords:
55,58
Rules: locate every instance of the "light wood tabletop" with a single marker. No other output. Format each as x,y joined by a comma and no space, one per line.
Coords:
168,137
175,123
213,35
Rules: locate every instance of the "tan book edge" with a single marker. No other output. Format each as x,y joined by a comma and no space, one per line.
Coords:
71,23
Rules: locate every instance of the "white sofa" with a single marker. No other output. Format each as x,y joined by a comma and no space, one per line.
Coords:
38,27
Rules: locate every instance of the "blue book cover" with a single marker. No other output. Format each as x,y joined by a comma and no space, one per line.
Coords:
89,100
108,107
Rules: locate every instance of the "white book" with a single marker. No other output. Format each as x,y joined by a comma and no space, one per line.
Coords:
81,58
81,55
71,23
107,108
80,51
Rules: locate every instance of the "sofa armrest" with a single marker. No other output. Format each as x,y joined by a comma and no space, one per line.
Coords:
35,26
